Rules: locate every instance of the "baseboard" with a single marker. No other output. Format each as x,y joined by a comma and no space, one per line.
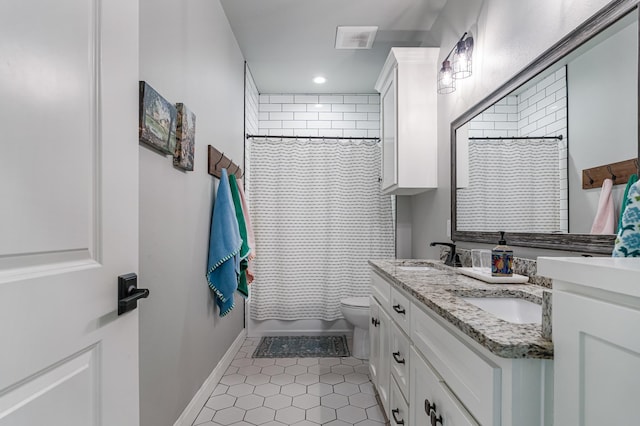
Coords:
192,410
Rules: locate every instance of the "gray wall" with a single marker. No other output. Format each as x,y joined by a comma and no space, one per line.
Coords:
508,35
189,54
602,119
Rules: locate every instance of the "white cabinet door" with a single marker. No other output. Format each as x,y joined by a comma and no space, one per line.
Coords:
384,372
374,340
430,398
597,361
68,222
389,132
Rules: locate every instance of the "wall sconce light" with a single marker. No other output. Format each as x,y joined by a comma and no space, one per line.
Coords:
461,67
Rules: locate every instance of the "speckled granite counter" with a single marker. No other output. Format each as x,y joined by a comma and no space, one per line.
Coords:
440,290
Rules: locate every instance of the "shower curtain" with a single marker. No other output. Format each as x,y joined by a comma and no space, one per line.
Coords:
318,216
514,185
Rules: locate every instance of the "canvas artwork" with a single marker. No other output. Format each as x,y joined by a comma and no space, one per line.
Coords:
157,126
185,138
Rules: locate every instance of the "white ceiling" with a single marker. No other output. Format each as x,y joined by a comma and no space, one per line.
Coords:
288,42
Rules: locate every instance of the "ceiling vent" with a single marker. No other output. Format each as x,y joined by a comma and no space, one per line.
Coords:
355,37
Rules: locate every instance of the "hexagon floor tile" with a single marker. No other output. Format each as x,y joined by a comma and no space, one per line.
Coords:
292,392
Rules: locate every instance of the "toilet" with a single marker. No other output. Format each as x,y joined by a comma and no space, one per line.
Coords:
356,311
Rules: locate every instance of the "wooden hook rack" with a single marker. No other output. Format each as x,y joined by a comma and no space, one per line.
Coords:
219,161
618,172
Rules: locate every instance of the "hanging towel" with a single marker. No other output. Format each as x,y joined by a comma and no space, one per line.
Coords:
628,238
632,179
243,286
224,248
250,236
604,221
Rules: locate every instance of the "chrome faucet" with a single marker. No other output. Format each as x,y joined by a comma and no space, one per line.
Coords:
453,259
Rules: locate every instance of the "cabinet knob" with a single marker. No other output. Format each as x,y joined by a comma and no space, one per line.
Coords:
435,420
399,309
396,355
429,407
394,412
375,321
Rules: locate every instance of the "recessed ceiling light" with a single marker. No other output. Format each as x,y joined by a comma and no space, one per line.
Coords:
319,80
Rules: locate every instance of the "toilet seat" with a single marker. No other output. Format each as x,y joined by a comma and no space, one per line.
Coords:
356,302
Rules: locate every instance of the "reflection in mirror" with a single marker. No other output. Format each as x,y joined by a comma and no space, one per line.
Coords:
520,161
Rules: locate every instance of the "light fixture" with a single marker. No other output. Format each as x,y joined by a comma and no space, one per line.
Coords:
461,67
319,80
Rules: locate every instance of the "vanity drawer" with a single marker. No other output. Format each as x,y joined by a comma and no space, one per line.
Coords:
401,310
429,393
399,353
474,379
399,409
381,290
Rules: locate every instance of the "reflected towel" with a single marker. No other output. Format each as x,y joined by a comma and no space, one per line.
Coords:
632,179
604,221
243,286
223,265
250,236
628,238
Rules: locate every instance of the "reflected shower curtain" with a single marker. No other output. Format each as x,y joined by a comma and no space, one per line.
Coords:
514,185
318,216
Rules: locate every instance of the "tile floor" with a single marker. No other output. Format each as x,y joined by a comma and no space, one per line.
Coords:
292,391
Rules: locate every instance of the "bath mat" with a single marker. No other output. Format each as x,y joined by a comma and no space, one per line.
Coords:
302,347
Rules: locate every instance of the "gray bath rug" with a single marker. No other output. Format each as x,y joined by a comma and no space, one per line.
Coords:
302,347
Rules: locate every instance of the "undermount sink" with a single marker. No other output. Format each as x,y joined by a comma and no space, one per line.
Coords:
510,309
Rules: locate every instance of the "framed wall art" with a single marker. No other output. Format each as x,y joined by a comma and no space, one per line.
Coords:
185,138
157,127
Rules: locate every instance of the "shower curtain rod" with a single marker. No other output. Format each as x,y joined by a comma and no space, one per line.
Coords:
313,137
499,138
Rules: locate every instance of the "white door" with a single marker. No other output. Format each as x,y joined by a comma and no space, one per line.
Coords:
69,211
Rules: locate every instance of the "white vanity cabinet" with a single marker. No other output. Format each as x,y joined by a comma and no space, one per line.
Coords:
596,314
408,120
434,374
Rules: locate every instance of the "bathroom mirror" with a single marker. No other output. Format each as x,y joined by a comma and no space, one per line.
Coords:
518,155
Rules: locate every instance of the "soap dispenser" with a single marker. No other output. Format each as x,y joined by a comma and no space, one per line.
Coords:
502,259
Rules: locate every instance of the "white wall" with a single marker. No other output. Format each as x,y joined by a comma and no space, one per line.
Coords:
508,36
605,131
189,54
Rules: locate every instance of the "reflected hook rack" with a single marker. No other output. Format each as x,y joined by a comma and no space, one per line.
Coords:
216,161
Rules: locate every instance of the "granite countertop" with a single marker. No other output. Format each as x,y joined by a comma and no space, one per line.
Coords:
440,289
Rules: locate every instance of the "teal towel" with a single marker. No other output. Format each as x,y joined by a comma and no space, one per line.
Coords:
223,266
628,238
632,179
243,285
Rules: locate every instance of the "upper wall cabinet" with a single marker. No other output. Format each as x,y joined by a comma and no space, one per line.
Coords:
408,120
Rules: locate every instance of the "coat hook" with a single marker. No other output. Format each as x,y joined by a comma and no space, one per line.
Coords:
591,181
219,160
610,172
228,165
236,170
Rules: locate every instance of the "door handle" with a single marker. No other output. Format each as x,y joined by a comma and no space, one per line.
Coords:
396,355
129,293
395,419
399,309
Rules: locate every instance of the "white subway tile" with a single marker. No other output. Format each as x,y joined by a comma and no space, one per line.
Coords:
561,73
561,113
356,99
306,116
522,105
264,99
538,96
512,100
331,99
280,116
270,107
506,125
319,107
546,101
280,99
279,132
523,122
306,99
528,129
509,109
512,117
490,109
343,108
558,85
496,133
367,125
373,116
474,133
374,99
330,116
556,127
513,133
343,125
373,133
480,125
502,101
546,82
307,132
527,111
271,124
352,133
537,115
318,124
263,116
546,120
527,94
355,116
368,108
331,133
294,107
294,124
494,117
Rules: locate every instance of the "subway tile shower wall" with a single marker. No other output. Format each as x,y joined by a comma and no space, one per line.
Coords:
331,115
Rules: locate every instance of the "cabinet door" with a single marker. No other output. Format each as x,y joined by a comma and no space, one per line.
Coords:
429,398
597,361
384,371
389,143
374,340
